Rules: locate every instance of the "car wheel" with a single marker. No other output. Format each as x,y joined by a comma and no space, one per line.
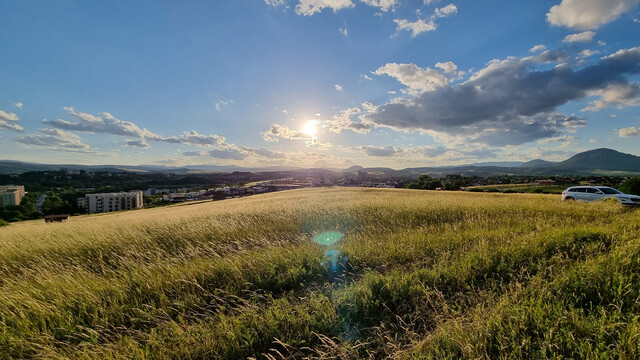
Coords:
569,199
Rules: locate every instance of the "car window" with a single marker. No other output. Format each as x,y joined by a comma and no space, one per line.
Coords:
581,190
572,190
592,191
608,190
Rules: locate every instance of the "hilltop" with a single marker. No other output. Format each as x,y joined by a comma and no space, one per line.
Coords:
412,275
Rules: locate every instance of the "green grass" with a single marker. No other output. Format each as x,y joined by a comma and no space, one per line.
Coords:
423,275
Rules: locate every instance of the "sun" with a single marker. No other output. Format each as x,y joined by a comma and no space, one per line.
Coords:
310,128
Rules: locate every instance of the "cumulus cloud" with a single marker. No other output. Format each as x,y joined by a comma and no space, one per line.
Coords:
275,3
277,132
338,87
19,105
416,27
446,11
415,78
9,120
57,140
384,5
511,101
425,25
538,48
105,123
138,143
588,14
628,132
586,36
619,94
344,121
310,7
344,32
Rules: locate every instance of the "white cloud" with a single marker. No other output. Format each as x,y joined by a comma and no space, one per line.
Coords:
619,94
105,123
338,87
416,27
537,48
275,3
588,14
344,32
415,78
9,120
556,139
343,121
310,7
628,132
446,11
366,77
586,53
586,36
277,132
220,104
425,25
384,5
57,140
448,67
19,105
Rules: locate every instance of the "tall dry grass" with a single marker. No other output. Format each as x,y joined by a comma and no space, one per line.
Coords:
426,275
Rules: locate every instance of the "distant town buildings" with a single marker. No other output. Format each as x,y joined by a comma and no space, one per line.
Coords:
108,202
11,195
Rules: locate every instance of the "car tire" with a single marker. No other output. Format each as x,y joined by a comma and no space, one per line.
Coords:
569,199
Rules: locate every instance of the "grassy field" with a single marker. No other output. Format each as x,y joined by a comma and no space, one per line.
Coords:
417,275
520,188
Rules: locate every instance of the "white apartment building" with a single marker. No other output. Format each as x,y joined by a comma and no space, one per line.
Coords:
107,202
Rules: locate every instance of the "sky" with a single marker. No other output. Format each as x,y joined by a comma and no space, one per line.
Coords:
317,83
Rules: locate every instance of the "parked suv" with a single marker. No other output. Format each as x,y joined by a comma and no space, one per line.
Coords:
593,193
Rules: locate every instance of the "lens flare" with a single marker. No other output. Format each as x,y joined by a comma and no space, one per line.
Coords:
328,238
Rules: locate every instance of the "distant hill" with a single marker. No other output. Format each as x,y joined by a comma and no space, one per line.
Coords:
592,162
536,162
601,159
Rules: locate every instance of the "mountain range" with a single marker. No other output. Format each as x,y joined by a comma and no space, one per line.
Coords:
593,162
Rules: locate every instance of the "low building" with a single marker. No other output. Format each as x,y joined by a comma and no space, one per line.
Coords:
11,195
108,202
56,218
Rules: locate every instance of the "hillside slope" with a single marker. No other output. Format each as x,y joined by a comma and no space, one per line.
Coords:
418,274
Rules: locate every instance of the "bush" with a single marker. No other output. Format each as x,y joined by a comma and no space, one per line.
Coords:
3,223
631,186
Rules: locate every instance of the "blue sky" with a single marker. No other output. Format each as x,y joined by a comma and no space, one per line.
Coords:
317,83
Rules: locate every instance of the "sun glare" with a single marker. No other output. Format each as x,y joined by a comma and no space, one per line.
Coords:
310,128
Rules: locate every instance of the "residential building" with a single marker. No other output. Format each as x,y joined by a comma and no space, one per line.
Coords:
107,202
11,195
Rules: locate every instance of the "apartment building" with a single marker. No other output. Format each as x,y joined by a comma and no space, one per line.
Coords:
11,195
107,202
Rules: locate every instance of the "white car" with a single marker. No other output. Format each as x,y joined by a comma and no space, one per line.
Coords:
593,193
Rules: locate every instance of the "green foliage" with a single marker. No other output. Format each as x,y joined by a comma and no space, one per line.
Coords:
425,182
631,186
428,275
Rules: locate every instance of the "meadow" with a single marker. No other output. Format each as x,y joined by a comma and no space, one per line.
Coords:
417,275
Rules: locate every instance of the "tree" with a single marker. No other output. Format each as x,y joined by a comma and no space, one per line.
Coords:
631,186
53,205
